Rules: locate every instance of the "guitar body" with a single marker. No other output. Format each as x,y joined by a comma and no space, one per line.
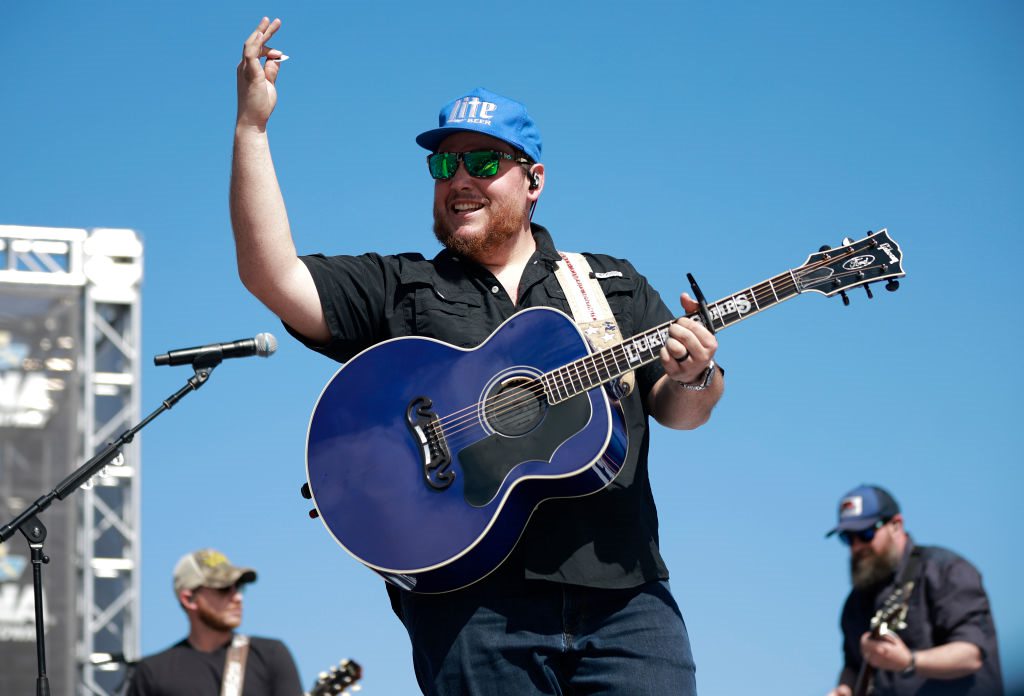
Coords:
425,460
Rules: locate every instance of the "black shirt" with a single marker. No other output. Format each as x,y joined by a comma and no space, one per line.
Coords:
181,670
948,604
608,539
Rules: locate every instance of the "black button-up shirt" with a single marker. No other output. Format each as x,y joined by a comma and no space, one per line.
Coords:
948,604
608,539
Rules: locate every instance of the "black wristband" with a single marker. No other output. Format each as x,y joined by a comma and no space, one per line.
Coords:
912,667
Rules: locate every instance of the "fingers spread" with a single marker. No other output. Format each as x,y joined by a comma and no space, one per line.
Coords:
268,32
255,45
252,46
271,28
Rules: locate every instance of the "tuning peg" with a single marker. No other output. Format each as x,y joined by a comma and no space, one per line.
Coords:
846,300
893,285
824,247
313,513
305,492
867,289
847,241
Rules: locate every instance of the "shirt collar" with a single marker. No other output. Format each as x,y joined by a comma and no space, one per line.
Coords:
545,247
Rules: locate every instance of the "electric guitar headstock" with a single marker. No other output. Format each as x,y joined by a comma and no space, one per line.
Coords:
855,263
892,616
342,679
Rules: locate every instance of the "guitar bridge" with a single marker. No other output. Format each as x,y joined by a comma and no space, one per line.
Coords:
425,427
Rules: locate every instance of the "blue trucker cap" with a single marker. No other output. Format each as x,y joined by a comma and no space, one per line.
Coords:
483,111
862,507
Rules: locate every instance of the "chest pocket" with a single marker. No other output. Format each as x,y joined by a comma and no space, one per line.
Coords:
619,292
456,318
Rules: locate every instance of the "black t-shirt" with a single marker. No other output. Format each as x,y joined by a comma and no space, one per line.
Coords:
608,539
948,604
181,670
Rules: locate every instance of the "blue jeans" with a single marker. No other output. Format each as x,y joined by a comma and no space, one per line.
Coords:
548,638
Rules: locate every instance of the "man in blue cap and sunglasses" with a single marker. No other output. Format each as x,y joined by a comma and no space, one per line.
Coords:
582,604
948,646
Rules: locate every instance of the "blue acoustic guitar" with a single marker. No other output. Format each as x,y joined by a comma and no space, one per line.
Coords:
425,460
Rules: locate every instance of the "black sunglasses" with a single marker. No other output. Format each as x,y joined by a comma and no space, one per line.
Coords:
481,164
865,535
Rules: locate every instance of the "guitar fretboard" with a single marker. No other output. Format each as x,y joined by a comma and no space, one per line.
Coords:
611,363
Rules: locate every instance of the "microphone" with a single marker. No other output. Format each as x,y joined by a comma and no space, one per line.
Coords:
263,345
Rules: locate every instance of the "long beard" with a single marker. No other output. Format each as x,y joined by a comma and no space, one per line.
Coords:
871,569
506,221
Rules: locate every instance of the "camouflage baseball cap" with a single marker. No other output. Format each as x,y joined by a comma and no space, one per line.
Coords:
209,568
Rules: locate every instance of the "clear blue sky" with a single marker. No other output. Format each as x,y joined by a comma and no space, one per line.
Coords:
724,139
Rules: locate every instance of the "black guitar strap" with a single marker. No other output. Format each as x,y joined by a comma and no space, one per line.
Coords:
910,570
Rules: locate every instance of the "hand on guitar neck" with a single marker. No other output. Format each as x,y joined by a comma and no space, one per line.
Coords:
886,652
880,648
883,652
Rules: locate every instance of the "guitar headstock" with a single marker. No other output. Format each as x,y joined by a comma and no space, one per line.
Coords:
873,258
339,680
892,616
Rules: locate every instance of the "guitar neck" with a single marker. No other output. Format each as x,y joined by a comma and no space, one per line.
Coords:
611,363
865,680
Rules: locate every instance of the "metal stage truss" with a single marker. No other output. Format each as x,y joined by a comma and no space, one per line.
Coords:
94,275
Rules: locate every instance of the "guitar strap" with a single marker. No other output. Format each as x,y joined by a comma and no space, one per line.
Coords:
909,572
591,312
234,666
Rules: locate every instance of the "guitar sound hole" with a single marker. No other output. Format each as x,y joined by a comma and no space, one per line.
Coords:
515,407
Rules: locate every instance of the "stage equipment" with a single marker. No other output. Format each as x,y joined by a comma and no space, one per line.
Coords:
69,375
264,345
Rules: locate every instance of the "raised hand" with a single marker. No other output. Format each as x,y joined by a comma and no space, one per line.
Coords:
257,94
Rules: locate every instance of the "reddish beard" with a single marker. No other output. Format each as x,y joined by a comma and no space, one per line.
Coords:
505,221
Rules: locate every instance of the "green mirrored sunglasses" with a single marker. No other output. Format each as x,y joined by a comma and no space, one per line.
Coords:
481,164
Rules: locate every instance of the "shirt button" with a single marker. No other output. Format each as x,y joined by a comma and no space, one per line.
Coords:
494,289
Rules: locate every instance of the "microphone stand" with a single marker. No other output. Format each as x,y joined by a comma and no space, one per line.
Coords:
32,528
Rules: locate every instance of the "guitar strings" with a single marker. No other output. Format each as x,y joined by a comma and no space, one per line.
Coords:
560,379
501,404
466,418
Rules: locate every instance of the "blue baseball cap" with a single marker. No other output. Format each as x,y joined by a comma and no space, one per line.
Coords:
483,111
864,506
